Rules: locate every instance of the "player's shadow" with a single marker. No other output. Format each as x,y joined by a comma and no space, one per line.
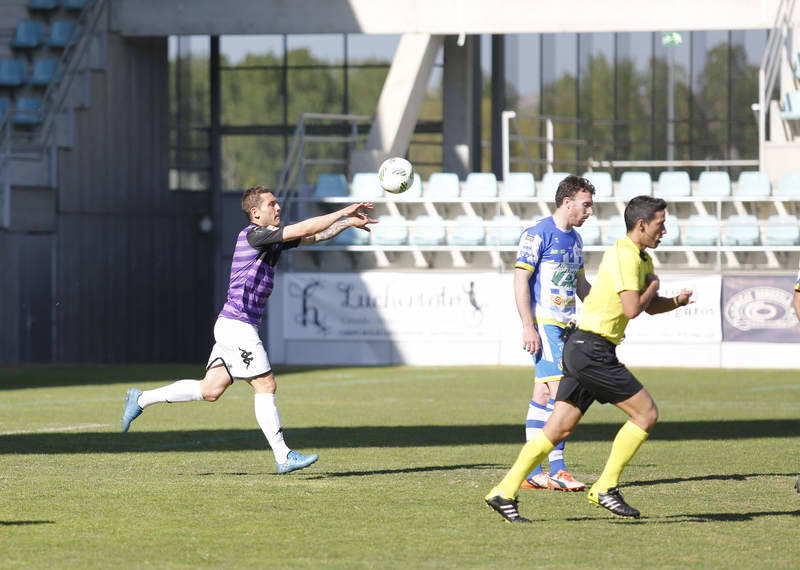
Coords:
691,518
725,477
315,438
24,523
363,473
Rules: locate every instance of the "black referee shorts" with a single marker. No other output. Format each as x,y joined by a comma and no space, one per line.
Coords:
592,372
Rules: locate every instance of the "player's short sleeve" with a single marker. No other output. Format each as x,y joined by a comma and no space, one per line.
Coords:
628,276
260,237
531,247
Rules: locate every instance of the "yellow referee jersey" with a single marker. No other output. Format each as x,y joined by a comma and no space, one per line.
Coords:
623,268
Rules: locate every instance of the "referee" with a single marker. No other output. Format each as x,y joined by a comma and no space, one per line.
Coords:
625,286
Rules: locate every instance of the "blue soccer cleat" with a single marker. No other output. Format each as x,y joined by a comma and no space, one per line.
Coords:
132,408
296,460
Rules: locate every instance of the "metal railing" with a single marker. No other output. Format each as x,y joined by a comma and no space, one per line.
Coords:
293,172
770,68
45,137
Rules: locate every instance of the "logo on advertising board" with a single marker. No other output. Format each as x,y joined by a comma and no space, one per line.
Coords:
759,309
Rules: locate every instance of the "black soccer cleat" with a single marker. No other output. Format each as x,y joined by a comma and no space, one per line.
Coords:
613,501
507,509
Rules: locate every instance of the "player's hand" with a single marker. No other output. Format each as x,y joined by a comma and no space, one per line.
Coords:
360,221
353,209
531,342
684,298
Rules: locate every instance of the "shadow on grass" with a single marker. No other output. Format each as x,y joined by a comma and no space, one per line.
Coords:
24,523
333,474
726,477
366,436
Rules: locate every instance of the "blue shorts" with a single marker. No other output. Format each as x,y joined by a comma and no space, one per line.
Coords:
548,361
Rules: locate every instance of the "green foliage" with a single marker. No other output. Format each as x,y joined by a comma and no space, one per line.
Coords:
407,454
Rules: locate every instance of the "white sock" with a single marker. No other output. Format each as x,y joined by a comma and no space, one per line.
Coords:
269,420
180,391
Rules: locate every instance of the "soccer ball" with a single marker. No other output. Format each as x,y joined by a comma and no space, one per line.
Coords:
396,175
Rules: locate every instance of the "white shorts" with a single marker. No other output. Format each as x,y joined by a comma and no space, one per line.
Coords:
239,348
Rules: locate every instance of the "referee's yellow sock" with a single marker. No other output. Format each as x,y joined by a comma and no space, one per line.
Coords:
532,453
627,442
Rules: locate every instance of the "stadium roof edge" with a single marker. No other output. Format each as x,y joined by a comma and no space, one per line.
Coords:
212,17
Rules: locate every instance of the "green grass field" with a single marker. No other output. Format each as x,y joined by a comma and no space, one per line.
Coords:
407,455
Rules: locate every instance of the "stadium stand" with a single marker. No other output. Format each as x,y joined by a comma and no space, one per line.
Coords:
753,184
30,34
634,183
519,185
673,184
590,231
673,235
351,236
550,182
741,230
28,111
713,184
467,231
442,185
701,230
428,230
480,185
791,106
781,230
60,34
394,231
366,186
43,72
602,182
614,230
5,104
504,230
42,5
331,185
789,185
12,72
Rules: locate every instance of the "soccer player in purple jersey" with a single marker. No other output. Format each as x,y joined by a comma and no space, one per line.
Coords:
238,351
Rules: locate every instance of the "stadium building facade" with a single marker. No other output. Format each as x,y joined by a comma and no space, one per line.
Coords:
120,190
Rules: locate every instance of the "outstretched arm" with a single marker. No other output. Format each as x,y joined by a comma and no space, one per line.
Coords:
666,304
307,230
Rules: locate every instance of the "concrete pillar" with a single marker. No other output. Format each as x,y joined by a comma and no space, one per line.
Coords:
459,101
400,101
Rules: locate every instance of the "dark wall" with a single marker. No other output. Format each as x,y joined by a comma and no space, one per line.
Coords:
133,272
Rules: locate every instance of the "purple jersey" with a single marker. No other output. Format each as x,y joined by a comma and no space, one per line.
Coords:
257,251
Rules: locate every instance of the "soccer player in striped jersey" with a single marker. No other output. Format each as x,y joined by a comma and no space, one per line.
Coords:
548,274
238,351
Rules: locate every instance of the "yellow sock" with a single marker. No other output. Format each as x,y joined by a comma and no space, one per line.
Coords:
627,442
531,454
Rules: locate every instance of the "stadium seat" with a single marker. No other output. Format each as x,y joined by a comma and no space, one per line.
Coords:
791,106
442,185
504,230
602,182
590,231
42,5
43,72
415,191
713,185
615,230
781,230
60,34
519,185
391,230
701,229
351,236
28,111
429,231
789,185
75,5
741,230
673,235
30,34
468,230
331,186
753,184
550,182
12,72
366,186
796,66
480,185
635,183
673,184
5,105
